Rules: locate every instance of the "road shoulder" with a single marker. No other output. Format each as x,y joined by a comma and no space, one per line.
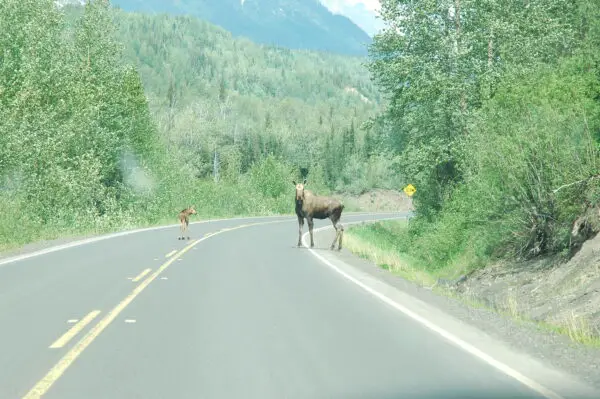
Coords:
544,356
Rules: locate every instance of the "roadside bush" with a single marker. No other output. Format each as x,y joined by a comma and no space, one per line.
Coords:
534,137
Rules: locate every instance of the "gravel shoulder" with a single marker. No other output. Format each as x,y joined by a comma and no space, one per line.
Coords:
550,347
41,245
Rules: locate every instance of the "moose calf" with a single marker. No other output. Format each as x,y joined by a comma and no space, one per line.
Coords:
184,221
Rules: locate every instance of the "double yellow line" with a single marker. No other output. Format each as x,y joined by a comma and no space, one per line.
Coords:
66,337
63,364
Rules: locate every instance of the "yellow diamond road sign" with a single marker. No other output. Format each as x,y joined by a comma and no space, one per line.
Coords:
410,190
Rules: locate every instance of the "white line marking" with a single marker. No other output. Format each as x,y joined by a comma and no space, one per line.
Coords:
173,252
164,278
450,337
71,321
129,321
91,240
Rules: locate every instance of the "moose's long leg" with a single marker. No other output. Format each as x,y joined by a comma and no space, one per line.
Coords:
310,229
339,230
187,228
180,229
300,225
341,227
337,234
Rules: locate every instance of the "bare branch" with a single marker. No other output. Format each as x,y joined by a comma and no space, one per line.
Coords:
587,179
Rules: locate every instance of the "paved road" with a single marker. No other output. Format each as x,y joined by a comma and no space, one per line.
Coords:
240,314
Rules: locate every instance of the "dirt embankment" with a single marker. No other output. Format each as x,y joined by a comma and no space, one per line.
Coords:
563,294
380,200
566,294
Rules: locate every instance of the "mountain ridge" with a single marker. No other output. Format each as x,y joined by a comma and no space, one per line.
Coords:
365,17
294,24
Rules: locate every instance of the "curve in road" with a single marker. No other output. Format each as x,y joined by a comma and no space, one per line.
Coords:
241,314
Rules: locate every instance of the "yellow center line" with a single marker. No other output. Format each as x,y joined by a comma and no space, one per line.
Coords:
173,252
66,337
63,364
141,275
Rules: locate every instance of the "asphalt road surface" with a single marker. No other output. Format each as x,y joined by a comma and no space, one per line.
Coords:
241,313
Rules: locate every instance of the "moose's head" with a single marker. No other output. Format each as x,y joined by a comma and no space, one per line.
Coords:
299,190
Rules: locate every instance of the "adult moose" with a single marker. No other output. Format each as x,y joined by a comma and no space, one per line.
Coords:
311,206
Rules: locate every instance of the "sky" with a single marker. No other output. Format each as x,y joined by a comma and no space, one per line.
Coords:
335,5
361,12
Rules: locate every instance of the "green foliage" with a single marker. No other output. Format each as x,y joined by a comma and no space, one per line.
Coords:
491,109
212,93
544,126
76,132
111,120
270,177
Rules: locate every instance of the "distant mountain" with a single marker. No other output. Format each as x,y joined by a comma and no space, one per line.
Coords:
362,16
295,24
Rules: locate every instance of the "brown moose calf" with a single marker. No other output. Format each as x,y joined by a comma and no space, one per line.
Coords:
184,221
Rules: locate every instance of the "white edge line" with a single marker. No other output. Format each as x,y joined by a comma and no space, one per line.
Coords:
91,240
448,336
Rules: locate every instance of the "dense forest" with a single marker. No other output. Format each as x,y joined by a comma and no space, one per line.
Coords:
495,113
240,101
111,119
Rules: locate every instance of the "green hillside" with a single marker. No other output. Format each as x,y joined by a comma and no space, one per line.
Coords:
244,100
112,119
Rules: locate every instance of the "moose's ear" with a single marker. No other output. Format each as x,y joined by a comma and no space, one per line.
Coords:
304,181
294,181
